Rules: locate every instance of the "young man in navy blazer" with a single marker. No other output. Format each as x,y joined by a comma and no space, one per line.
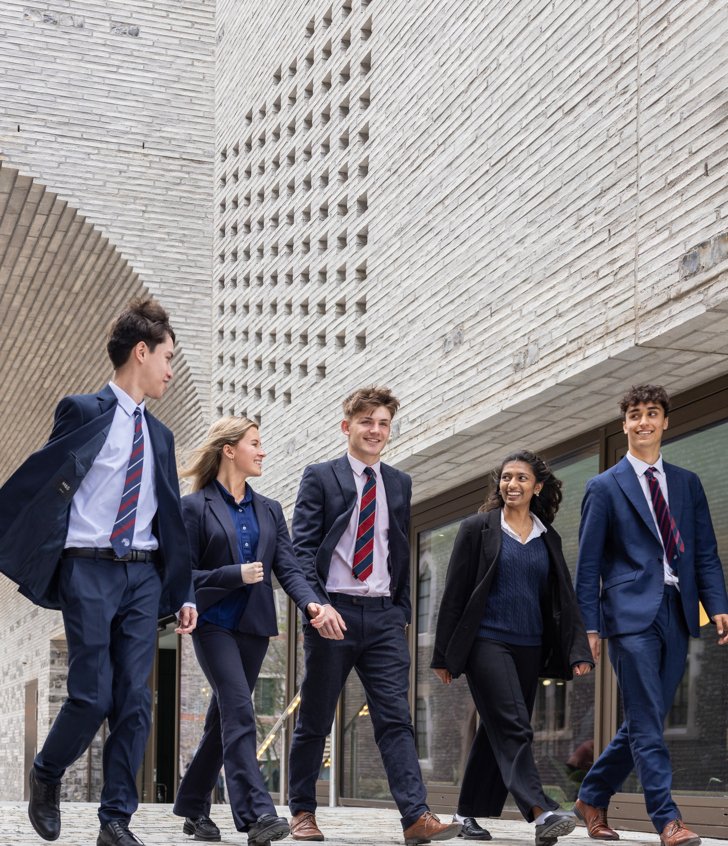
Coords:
351,536
91,524
647,554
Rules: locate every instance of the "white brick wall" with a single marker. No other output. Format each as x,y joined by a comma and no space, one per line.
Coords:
536,171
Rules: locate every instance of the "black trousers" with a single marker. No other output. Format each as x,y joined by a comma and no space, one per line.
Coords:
503,681
231,662
375,646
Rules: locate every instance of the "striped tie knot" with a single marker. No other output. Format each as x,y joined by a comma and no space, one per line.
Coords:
122,533
669,532
363,563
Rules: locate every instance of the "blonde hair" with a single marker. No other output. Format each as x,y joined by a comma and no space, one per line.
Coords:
205,460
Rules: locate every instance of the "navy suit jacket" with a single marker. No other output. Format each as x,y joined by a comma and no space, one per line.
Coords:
326,499
619,546
36,499
216,560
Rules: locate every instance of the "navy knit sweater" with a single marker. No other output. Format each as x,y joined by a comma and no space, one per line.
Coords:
513,609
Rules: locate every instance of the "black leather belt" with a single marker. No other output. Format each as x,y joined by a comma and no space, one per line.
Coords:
150,556
357,599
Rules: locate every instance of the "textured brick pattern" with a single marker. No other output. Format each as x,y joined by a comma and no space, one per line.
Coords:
535,173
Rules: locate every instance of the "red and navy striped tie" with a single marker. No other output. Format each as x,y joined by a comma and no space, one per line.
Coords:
364,547
669,532
123,531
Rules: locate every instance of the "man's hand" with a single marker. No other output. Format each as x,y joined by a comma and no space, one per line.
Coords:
187,617
444,675
583,668
595,644
252,573
326,620
721,624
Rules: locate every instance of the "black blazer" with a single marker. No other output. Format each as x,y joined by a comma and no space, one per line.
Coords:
216,560
326,499
36,499
469,577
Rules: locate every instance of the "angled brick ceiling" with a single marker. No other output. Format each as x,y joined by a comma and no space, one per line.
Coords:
61,283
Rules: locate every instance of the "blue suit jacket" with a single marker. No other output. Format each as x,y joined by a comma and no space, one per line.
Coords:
36,499
326,499
216,560
619,546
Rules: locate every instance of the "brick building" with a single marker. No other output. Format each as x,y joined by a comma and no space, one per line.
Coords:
508,212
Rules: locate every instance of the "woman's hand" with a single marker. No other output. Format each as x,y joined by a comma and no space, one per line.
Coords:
582,669
252,573
444,675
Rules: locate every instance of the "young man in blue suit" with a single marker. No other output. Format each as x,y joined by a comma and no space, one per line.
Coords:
647,554
91,524
351,536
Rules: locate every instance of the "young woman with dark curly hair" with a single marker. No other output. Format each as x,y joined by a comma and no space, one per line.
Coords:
509,616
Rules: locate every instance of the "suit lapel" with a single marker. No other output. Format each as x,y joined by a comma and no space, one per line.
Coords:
394,492
219,508
345,476
266,526
675,491
490,544
627,480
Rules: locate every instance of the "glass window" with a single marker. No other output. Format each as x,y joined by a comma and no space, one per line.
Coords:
696,729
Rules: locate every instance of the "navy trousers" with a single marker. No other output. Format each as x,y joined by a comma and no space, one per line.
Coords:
503,680
110,615
649,666
231,662
375,645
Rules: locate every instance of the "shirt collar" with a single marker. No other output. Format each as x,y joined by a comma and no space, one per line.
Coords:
537,529
640,466
358,466
125,401
230,499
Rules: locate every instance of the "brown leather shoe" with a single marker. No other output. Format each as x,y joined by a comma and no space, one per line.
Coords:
675,834
303,827
428,827
595,820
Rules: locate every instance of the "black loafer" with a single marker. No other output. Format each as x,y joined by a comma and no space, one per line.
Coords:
556,825
203,828
472,831
116,833
44,807
267,827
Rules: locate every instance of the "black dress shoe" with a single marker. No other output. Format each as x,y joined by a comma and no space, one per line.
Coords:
556,824
116,833
44,807
267,827
472,831
203,828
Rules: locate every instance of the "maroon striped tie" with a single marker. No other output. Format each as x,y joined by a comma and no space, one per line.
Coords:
669,532
122,533
364,547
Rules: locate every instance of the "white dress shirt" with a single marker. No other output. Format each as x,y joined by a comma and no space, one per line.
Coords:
639,467
341,579
96,502
537,528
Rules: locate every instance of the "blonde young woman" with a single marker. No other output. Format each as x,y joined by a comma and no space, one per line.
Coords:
239,541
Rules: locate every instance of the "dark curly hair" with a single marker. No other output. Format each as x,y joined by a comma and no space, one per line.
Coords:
644,394
546,504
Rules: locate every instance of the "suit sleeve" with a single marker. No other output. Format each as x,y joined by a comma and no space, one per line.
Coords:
68,418
580,652
405,599
458,589
593,531
287,569
308,526
708,568
228,576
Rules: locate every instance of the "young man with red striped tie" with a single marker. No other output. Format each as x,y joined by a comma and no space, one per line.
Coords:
647,554
351,536
91,524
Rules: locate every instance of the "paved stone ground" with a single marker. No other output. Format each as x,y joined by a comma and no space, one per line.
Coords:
156,824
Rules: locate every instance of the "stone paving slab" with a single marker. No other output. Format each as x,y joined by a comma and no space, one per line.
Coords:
156,825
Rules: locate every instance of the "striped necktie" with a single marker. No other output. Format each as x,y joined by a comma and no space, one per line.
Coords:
669,531
364,546
122,533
